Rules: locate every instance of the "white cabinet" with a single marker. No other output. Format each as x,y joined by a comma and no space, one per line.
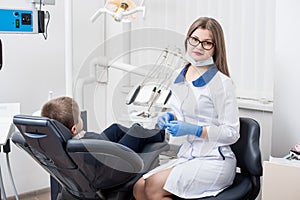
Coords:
280,181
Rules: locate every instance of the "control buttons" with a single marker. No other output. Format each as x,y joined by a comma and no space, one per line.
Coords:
17,23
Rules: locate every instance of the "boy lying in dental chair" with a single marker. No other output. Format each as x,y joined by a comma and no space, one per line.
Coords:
66,111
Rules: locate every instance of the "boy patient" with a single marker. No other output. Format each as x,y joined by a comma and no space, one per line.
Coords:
66,111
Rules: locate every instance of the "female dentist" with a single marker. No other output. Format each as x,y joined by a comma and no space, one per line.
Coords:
205,114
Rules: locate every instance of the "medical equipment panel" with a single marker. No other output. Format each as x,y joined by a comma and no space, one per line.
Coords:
18,21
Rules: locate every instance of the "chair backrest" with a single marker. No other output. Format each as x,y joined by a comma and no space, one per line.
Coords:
47,139
246,149
83,167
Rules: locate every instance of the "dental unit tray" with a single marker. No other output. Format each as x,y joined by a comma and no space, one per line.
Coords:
153,93
146,95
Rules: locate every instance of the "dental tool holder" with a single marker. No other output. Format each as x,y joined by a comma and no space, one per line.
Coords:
151,96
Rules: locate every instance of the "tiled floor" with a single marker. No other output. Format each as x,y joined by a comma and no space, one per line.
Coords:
38,195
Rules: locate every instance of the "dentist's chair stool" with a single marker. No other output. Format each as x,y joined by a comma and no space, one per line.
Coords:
246,185
87,169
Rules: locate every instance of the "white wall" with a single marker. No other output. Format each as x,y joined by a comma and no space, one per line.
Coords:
286,129
87,36
32,67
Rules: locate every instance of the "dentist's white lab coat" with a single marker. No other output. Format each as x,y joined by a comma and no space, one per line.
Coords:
204,167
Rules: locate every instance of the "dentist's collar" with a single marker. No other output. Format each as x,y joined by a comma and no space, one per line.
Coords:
202,80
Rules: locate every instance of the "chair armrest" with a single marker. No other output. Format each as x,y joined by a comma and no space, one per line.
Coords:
108,153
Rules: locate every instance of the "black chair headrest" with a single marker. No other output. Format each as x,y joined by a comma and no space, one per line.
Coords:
65,133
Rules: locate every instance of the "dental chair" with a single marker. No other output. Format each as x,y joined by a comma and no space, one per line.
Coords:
246,185
86,169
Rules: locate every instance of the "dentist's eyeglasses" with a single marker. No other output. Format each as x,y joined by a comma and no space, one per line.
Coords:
207,45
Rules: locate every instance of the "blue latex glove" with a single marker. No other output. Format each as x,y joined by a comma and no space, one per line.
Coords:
164,119
179,128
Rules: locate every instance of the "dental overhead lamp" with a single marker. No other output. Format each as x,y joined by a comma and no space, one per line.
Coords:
120,10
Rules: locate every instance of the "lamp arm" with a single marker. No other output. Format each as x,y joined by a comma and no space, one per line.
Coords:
99,12
130,12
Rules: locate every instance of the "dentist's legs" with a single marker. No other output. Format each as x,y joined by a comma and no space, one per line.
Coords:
152,187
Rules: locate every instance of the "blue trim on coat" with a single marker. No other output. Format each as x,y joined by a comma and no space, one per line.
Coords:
202,80
220,152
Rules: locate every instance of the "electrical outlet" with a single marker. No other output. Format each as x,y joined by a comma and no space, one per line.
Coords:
45,2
